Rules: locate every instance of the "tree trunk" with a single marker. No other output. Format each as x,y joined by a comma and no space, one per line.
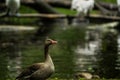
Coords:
39,5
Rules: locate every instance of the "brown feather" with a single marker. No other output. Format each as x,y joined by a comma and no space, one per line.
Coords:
40,71
31,69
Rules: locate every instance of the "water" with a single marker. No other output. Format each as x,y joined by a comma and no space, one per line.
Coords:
77,50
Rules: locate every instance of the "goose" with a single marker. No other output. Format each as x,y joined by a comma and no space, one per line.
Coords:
82,6
118,3
40,71
12,7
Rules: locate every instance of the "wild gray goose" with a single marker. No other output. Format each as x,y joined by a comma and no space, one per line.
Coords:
40,71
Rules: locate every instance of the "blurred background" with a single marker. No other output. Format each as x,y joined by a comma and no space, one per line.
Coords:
87,43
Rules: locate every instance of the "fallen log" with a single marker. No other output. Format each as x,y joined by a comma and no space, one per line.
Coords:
6,28
40,5
105,11
108,6
103,19
92,17
35,15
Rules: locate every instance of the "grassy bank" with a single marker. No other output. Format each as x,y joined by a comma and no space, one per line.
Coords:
110,1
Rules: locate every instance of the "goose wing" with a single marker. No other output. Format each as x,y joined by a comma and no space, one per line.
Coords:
29,70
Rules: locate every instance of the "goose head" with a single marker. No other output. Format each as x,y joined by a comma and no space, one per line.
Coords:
50,42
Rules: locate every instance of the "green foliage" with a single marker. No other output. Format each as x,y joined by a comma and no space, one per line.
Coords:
23,21
110,1
65,11
20,21
24,9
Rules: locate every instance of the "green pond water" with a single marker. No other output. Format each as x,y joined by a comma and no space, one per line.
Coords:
78,49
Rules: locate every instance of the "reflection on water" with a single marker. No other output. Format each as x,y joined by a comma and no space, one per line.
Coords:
108,55
118,58
3,67
77,50
85,58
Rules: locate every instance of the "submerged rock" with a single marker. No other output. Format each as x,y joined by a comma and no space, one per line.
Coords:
85,75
